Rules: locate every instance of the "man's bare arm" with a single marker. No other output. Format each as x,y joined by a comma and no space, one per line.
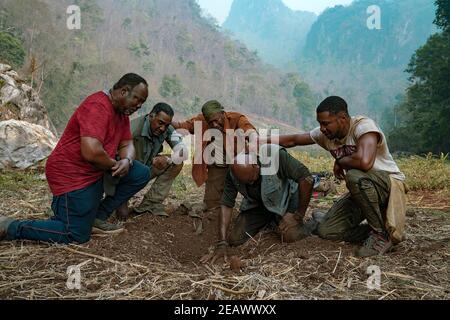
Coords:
290,141
364,158
93,152
224,222
220,250
127,150
305,193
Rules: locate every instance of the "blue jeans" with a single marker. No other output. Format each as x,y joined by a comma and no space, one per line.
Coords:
75,212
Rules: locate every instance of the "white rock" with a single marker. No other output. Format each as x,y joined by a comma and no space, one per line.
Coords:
29,106
4,68
26,88
23,144
13,74
8,80
10,94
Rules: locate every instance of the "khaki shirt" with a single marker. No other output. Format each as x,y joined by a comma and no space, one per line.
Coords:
146,144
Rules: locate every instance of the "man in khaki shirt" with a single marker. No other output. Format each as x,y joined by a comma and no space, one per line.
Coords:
363,160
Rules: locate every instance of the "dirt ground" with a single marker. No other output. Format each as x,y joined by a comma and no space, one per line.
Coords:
158,258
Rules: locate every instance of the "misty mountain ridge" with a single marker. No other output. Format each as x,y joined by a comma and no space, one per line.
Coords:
341,55
270,27
341,34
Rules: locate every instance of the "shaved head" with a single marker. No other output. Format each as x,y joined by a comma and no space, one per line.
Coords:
245,168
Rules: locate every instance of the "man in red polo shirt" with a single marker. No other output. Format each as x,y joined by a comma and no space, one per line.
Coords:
95,151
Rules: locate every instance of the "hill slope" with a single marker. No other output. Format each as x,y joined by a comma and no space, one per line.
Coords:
271,28
186,59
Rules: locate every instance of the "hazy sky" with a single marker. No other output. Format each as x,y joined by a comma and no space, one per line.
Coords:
219,9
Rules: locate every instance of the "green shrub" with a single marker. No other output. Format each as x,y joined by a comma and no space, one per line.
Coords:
11,50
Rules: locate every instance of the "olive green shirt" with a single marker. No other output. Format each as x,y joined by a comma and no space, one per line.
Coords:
146,144
289,169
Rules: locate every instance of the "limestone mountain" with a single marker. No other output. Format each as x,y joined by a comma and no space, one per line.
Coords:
341,34
341,55
270,27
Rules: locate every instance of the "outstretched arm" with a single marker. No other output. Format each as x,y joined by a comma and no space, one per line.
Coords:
188,125
228,202
224,222
290,141
220,251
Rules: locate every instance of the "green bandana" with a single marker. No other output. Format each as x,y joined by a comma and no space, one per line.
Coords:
211,108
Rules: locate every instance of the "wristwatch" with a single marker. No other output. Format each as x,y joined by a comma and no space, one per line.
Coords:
130,160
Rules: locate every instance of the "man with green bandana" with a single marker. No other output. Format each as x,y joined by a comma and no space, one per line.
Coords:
215,117
149,134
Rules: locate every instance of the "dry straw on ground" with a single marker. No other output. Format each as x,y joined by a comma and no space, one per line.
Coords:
158,259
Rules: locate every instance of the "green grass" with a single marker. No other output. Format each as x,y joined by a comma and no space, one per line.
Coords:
19,180
426,173
316,162
422,173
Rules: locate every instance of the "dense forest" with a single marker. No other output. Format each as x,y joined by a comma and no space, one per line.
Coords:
365,65
422,120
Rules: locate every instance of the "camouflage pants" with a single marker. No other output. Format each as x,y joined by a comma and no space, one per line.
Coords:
367,200
154,198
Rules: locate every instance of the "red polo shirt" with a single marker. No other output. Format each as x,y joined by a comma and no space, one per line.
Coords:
66,170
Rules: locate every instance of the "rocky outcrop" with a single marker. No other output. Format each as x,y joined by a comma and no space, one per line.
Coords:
27,135
19,101
23,144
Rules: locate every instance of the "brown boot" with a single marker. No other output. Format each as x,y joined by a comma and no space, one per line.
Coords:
123,212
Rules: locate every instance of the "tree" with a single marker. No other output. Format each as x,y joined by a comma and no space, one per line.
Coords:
443,14
126,23
171,87
11,50
305,102
427,107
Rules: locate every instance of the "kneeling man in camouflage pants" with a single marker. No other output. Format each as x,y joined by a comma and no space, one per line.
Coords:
375,183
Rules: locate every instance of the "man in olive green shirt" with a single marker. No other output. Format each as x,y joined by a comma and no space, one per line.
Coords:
149,134
279,198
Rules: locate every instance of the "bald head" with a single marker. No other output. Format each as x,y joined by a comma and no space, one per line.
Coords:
245,168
